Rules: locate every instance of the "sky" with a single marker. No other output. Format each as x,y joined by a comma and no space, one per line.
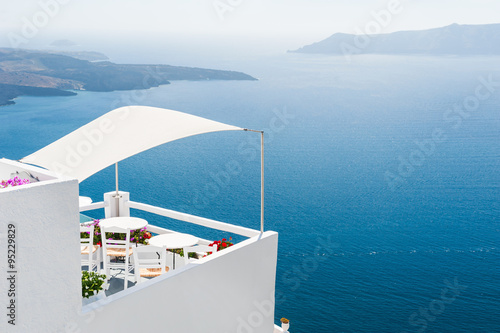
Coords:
276,24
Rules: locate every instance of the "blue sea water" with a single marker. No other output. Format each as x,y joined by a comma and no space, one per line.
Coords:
383,186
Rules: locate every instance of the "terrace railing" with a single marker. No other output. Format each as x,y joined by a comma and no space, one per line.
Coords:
193,219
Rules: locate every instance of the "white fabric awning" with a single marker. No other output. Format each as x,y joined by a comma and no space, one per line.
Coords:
119,134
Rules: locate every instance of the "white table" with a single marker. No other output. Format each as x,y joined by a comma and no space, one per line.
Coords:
174,241
127,222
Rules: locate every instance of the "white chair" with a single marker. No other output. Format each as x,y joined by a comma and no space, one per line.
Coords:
88,249
200,251
149,261
117,248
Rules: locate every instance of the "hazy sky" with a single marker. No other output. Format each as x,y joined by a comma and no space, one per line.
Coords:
290,23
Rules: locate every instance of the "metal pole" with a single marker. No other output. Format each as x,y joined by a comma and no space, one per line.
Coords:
262,181
117,196
261,177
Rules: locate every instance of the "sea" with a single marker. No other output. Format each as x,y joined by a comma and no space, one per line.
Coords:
382,178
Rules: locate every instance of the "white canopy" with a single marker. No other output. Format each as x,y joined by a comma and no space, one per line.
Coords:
119,134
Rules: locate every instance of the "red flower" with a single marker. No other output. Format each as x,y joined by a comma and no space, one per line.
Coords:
221,245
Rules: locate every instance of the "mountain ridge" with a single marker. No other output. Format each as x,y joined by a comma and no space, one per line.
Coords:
40,73
453,39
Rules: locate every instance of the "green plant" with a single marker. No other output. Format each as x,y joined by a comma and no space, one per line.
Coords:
97,233
140,236
92,283
181,253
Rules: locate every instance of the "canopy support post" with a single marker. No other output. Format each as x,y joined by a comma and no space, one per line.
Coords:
262,181
261,177
117,195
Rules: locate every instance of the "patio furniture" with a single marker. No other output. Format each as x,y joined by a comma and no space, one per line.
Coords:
88,249
116,248
149,261
132,223
197,249
173,241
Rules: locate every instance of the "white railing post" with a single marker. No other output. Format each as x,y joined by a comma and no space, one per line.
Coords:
114,207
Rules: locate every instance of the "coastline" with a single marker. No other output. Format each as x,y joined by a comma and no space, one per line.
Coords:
8,93
37,73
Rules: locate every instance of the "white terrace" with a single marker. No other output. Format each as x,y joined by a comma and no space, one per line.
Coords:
229,291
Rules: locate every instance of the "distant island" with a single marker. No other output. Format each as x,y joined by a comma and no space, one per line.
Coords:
454,39
43,73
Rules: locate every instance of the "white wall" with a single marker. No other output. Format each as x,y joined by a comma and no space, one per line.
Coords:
48,287
7,167
232,291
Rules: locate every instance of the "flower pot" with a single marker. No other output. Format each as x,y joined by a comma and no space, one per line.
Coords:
285,326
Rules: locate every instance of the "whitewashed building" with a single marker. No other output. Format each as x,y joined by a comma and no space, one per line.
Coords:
229,291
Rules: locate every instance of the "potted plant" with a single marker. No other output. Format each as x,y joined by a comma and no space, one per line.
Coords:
93,285
285,324
222,244
16,181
